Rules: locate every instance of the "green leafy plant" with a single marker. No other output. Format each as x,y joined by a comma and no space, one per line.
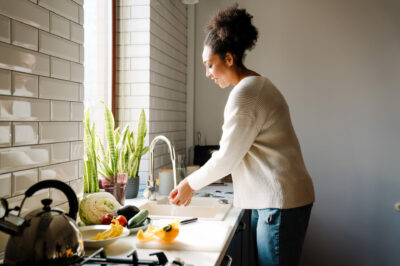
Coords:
108,158
136,151
90,177
122,154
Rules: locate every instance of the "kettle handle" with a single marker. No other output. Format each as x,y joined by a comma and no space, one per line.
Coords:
67,190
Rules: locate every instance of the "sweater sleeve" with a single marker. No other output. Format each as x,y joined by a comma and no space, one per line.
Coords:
238,135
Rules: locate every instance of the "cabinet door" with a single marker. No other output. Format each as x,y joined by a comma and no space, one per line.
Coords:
242,248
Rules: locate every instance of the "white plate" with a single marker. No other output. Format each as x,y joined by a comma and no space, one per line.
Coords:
90,231
146,223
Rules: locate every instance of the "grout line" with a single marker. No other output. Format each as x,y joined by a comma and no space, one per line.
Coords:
171,35
155,47
184,15
170,22
161,63
166,41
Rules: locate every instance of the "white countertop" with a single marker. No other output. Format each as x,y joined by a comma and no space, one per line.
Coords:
124,246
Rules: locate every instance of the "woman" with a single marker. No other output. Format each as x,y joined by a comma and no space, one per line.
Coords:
258,145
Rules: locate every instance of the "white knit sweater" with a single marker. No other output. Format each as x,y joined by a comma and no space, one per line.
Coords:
259,148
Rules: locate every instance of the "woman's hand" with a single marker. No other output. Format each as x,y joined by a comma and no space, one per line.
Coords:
182,194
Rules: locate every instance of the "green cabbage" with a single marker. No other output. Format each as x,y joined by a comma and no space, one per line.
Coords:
93,207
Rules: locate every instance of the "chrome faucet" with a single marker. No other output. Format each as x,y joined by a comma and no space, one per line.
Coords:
150,191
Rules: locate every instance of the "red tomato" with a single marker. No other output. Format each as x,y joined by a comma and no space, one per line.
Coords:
107,218
122,220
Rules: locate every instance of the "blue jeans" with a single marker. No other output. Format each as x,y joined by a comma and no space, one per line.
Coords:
280,234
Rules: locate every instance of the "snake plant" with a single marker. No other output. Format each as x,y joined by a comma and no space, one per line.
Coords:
90,178
122,154
136,151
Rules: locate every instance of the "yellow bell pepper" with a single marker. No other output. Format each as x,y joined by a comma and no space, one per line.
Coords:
166,234
146,236
114,231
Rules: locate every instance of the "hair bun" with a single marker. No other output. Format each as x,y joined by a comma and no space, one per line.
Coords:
233,29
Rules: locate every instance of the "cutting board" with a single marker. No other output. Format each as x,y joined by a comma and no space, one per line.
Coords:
198,236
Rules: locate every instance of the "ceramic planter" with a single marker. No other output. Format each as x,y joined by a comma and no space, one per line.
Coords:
132,188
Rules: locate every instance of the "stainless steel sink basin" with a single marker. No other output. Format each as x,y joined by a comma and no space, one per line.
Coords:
202,208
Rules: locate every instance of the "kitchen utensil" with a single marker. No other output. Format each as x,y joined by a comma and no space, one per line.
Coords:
188,221
90,231
44,236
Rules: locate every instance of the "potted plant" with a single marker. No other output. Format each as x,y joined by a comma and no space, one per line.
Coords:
135,151
113,178
120,160
90,175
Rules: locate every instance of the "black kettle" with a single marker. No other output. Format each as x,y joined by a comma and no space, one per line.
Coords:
44,236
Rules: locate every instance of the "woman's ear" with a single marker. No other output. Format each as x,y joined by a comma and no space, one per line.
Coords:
229,60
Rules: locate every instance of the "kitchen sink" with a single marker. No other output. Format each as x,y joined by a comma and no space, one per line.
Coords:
202,208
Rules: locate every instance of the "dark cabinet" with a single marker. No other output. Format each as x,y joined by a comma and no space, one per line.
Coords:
242,248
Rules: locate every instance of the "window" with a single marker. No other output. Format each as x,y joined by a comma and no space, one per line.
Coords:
98,59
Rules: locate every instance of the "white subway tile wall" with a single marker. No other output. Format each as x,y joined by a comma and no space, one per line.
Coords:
76,111
57,46
20,59
58,131
5,82
25,85
5,134
23,109
63,171
60,68
26,12
25,133
41,88
59,26
4,29
77,150
151,71
60,110
60,152
22,180
5,185
68,9
24,35
76,33
24,157
76,72
58,89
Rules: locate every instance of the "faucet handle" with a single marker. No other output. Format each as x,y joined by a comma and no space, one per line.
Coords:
150,194
147,193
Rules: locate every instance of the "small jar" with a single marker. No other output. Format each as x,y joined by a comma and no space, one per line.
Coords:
180,168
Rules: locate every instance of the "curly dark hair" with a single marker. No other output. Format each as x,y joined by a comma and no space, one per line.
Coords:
231,30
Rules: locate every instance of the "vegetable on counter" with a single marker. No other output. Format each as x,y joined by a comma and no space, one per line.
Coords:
166,234
128,211
108,218
93,207
138,219
115,230
122,220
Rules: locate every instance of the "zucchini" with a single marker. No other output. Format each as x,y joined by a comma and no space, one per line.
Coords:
138,219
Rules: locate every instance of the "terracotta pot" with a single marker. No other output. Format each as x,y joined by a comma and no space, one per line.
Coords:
117,188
